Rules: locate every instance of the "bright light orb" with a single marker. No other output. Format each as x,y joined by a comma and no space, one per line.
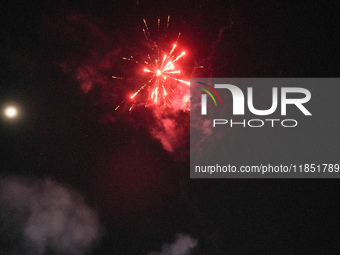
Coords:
11,112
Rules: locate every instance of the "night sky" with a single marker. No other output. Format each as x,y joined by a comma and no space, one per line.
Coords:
57,59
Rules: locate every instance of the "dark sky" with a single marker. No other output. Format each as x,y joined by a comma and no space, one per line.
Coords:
142,192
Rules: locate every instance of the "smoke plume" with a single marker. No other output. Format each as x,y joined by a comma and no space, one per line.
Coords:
42,217
182,246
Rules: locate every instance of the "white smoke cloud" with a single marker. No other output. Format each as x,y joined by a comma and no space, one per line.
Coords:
41,216
182,246
172,121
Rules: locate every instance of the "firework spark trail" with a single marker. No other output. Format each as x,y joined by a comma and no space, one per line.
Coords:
159,68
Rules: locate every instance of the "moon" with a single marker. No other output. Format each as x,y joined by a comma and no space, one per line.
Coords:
11,112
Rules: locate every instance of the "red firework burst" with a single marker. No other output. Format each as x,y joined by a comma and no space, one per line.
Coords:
160,68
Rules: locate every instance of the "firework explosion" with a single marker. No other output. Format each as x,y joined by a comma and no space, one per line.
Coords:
160,68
